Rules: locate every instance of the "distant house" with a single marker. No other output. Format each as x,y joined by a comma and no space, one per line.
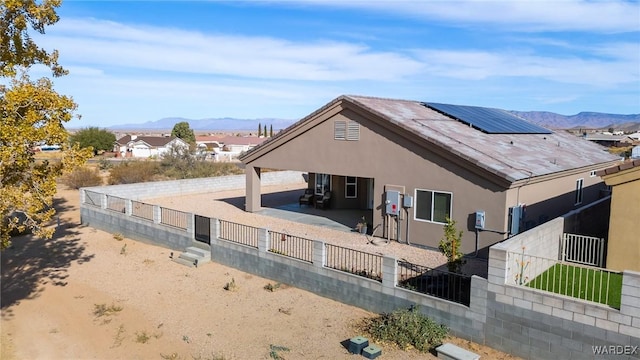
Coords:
146,146
623,246
413,164
610,139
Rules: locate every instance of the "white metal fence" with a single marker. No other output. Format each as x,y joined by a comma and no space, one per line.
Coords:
584,250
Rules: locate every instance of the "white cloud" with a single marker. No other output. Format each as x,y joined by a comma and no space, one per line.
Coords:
530,15
479,65
102,43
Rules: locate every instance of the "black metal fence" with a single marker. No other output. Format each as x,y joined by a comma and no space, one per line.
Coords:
239,233
354,261
441,284
202,229
142,210
291,246
92,198
116,203
174,218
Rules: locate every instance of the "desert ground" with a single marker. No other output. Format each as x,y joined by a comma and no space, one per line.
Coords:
86,294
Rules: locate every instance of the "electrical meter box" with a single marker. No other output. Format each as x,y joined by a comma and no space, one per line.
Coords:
480,220
515,215
407,201
392,202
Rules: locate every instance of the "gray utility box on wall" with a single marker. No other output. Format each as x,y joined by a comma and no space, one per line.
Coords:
392,202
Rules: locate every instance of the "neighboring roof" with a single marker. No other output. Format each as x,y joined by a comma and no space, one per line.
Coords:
208,138
155,141
242,140
605,137
512,157
635,136
621,167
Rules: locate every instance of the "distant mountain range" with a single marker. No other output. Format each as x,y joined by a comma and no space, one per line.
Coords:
209,124
587,120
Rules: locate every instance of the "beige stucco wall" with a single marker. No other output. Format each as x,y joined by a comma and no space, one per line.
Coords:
557,194
623,250
390,159
392,156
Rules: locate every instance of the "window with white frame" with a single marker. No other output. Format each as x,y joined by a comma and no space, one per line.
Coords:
323,183
433,206
351,187
579,184
346,130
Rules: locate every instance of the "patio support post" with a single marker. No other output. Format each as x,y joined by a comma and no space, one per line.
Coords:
389,274
319,254
253,201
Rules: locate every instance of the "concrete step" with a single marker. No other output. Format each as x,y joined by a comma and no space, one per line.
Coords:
183,261
201,245
193,255
204,254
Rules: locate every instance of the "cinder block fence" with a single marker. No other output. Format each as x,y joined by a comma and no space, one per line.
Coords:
526,322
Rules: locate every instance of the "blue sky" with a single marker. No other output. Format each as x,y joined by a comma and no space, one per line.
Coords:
133,62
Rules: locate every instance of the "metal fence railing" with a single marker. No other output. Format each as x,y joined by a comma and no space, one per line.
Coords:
354,261
92,198
173,218
116,203
439,283
577,281
142,210
239,233
586,250
291,246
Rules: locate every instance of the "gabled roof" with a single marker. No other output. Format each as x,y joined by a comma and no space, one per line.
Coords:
154,141
512,157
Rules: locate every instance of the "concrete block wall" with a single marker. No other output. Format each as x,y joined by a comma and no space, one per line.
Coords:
135,228
372,295
141,191
534,324
529,323
543,241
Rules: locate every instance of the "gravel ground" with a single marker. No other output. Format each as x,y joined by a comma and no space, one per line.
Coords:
228,205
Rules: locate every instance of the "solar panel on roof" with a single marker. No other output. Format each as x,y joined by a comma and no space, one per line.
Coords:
488,120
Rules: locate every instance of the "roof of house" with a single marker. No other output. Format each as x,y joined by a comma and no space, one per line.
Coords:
155,141
620,167
242,140
605,137
512,157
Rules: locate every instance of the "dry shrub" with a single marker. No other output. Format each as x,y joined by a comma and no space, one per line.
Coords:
130,172
82,177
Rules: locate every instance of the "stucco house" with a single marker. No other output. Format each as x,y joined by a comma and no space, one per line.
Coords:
146,146
413,164
623,244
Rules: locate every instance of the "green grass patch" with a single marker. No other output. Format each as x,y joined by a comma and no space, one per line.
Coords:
583,283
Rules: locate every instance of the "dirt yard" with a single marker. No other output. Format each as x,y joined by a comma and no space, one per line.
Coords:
87,295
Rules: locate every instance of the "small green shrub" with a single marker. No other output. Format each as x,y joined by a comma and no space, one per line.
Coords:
274,351
100,310
272,287
130,172
104,164
82,177
406,328
231,285
142,337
